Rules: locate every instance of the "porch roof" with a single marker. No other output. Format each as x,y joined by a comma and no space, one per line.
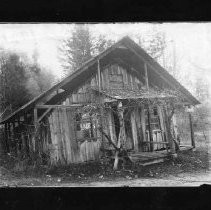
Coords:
137,94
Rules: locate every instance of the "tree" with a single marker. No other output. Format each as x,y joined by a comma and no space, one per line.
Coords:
100,44
154,43
76,49
81,46
13,91
39,78
21,80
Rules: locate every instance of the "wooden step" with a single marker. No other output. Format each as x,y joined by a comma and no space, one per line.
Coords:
145,159
154,161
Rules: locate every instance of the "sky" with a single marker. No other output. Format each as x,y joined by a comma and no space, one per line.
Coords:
191,41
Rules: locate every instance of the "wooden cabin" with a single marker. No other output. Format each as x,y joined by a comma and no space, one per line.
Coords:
122,93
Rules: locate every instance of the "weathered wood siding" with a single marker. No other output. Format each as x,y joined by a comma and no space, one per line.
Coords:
112,77
115,76
65,148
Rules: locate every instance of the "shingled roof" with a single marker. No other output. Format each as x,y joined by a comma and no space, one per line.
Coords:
137,94
73,78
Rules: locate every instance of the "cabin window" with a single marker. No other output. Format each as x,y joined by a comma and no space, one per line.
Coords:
86,126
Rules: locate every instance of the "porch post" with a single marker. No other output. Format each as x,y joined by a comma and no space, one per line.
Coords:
9,136
146,76
148,106
134,130
98,72
6,138
122,135
168,134
35,118
150,130
99,88
191,132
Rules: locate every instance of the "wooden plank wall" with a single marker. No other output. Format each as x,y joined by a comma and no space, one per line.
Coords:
112,76
65,148
128,81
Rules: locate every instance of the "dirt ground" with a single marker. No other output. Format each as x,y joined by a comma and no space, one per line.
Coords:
191,168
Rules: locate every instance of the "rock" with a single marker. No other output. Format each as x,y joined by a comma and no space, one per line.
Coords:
128,177
150,173
59,180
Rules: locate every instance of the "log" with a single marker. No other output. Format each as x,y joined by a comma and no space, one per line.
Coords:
111,127
168,133
116,160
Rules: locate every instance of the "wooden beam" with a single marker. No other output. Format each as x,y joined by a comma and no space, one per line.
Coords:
156,142
44,114
57,106
191,131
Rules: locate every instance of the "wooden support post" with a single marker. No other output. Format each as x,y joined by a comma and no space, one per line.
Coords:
146,76
98,72
148,106
138,126
191,132
9,136
150,130
134,130
168,134
122,136
99,87
143,125
13,136
35,118
6,138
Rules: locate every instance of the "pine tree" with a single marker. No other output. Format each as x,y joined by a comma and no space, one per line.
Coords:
81,46
154,43
76,48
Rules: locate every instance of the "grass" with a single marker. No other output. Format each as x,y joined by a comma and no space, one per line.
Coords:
19,173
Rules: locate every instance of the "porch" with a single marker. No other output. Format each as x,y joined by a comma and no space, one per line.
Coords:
149,158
